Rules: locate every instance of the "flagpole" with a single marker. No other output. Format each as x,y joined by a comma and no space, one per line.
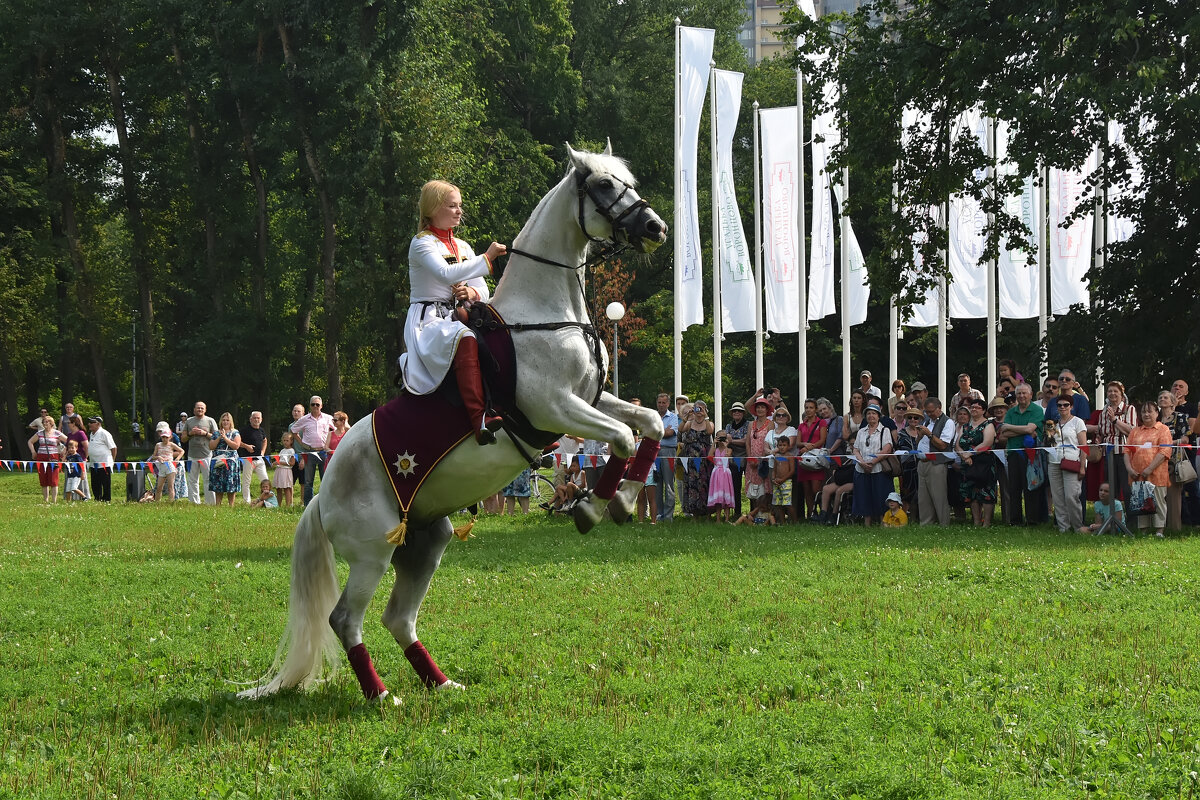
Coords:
716,247
758,276
1101,255
801,264
844,263
893,318
893,343
679,214
989,137
1043,287
943,310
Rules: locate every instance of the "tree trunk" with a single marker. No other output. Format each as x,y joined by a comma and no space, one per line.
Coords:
61,192
260,383
138,257
66,327
332,321
14,433
201,180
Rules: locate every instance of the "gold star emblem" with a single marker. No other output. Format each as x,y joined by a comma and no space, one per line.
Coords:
406,464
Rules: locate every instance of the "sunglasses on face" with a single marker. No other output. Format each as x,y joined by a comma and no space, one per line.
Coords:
1064,405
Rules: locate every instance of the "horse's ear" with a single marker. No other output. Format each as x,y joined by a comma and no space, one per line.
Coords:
607,147
576,158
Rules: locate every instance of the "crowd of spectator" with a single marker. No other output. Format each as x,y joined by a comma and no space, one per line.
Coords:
200,459
1017,458
906,457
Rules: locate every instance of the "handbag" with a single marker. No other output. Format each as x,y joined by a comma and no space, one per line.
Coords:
980,470
764,467
890,465
1141,498
1069,465
1181,469
1035,472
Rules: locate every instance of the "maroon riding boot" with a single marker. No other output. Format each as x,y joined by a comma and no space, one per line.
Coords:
470,386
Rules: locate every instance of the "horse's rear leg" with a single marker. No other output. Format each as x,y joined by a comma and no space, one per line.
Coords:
415,562
346,620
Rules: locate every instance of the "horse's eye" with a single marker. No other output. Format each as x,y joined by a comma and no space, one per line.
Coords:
606,184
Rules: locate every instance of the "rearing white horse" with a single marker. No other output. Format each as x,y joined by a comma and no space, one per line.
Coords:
560,373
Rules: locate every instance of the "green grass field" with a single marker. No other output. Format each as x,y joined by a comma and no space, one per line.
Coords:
686,660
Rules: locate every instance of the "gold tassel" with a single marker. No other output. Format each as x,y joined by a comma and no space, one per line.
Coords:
463,532
398,533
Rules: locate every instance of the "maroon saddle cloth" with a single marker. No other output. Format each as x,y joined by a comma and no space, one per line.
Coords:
414,432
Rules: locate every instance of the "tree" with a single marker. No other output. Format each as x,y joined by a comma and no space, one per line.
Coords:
1059,73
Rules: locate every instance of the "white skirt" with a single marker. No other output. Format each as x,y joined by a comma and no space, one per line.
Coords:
431,342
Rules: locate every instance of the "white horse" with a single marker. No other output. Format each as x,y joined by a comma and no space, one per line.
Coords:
560,373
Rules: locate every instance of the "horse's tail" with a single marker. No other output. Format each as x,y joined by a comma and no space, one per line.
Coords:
309,642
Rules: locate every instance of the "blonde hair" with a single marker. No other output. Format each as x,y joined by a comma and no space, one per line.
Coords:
433,197
221,421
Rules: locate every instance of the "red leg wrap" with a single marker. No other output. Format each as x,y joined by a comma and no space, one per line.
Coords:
614,470
364,670
421,661
643,461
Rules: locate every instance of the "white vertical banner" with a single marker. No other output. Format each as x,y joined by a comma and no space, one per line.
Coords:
781,177
821,263
695,55
924,314
738,294
968,290
1070,246
1121,228
858,285
1017,283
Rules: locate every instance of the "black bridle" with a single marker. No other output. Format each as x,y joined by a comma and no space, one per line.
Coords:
585,191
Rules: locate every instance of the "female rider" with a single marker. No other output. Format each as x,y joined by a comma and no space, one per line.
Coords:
443,271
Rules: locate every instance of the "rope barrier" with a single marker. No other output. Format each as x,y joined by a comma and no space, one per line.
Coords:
583,461
148,466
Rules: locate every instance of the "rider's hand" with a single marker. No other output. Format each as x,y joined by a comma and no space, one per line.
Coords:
495,250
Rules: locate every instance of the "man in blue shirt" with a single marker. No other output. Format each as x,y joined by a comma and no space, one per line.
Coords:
1080,407
665,482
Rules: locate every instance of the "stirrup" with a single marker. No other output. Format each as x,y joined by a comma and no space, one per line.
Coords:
487,432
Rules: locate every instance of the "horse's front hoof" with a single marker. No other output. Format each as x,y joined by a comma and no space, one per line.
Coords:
450,686
620,508
586,516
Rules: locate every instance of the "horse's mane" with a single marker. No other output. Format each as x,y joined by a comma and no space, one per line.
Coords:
617,167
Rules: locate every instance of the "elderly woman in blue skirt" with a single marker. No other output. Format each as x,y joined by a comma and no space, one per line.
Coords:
871,485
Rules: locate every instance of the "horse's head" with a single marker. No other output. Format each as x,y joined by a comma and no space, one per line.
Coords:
616,213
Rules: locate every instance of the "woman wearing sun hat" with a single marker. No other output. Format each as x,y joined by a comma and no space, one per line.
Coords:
871,484
756,449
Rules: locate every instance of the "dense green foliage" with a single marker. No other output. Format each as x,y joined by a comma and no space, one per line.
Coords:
229,190
1059,73
234,186
684,660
